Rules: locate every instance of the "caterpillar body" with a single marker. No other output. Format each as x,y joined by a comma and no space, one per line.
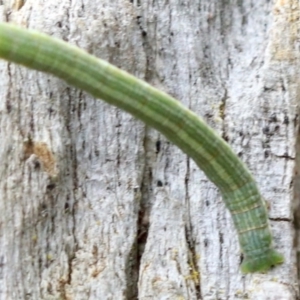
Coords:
159,110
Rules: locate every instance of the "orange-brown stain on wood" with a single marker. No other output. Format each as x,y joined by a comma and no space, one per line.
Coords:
95,272
44,155
285,31
18,4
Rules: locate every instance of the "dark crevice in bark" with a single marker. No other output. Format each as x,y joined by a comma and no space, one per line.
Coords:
8,96
118,160
132,264
146,192
69,110
222,109
149,50
285,156
193,264
147,176
280,219
194,271
297,205
132,272
63,283
143,219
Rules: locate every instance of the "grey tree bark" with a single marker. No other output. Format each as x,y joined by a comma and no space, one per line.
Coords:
94,205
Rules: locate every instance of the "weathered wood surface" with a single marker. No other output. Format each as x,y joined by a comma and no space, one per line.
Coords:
96,206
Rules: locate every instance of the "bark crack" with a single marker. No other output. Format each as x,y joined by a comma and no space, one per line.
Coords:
192,253
222,114
280,219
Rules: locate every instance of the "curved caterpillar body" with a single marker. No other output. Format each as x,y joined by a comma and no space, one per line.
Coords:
159,110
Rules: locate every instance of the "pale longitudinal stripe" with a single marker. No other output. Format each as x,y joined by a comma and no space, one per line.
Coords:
159,110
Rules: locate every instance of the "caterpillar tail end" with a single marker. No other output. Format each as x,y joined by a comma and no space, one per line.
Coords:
263,263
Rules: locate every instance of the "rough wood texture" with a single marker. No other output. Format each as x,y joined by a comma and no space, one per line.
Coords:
96,206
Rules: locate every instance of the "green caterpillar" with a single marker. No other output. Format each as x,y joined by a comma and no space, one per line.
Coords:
159,110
